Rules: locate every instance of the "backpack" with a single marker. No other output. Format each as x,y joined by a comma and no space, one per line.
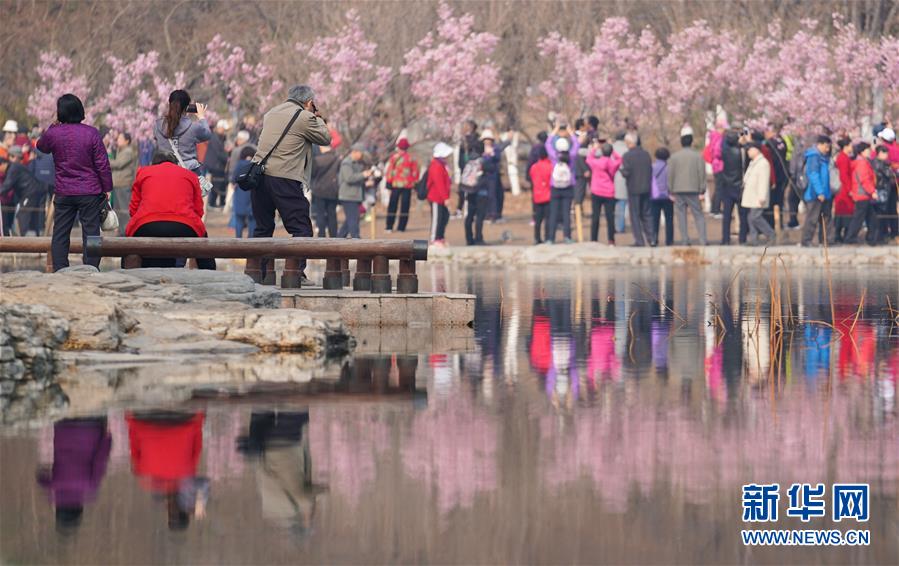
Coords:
561,178
801,181
835,183
471,175
421,187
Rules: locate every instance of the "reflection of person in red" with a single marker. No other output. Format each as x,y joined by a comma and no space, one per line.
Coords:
602,363
165,452
541,349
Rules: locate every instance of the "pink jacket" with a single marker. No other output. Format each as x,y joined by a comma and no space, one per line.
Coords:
602,173
715,139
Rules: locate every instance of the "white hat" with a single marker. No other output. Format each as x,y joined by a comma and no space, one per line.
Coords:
223,124
487,134
562,144
888,134
11,127
442,150
243,135
686,130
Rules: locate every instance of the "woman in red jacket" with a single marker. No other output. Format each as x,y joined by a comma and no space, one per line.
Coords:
863,186
166,202
843,205
439,193
541,174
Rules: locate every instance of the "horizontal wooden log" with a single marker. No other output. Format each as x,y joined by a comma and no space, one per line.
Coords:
309,248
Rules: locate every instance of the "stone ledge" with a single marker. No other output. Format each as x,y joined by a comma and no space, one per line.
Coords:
420,310
602,254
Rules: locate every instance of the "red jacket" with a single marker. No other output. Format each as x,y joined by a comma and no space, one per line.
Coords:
438,182
843,205
541,177
166,193
164,453
864,182
402,170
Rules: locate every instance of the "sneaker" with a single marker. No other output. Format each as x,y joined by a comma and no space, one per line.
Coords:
305,281
389,231
569,241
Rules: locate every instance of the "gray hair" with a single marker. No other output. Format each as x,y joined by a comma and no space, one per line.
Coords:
630,137
300,93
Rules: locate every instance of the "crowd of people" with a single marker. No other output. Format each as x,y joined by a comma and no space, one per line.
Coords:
762,177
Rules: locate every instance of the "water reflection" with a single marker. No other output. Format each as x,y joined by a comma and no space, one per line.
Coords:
603,417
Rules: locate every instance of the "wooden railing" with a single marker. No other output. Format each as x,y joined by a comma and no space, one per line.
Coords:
372,256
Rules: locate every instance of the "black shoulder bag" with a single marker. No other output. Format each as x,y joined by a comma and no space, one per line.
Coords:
252,179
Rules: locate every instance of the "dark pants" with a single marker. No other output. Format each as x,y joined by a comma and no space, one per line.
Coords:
439,219
9,216
66,209
641,218
841,227
718,196
477,211
121,202
599,204
889,222
541,221
31,214
665,206
864,213
495,201
793,201
350,227
728,205
325,212
403,197
818,212
169,230
461,203
216,197
286,197
777,199
560,212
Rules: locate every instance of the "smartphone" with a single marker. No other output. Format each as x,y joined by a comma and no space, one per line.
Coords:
191,108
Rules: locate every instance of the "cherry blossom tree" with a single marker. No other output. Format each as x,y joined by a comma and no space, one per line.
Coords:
345,77
451,74
560,92
241,84
57,77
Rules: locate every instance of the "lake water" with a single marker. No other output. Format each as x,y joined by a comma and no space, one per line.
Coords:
600,416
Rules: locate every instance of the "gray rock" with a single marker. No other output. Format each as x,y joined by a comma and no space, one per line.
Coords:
79,269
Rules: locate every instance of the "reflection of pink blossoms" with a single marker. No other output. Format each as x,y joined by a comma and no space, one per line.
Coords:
451,73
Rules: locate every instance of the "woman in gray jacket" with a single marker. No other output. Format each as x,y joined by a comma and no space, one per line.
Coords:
352,177
185,133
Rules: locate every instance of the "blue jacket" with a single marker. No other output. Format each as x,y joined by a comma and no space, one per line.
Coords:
241,203
818,173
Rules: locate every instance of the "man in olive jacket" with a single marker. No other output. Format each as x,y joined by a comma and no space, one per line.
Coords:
289,168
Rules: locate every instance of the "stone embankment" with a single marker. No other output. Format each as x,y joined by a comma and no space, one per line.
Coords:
51,324
600,254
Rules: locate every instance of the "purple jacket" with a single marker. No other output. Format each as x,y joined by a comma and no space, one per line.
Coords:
80,454
572,152
82,166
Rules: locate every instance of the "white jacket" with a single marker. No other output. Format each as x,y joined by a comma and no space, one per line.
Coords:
757,183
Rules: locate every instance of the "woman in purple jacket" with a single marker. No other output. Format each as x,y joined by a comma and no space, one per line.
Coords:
83,178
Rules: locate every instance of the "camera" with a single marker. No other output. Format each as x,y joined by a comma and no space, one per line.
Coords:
191,108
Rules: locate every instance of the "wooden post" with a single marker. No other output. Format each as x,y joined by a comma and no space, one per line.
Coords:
333,278
579,221
380,277
253,269
777,222
131,262
48,267
374,221
407,280
362,280
191,263
345,272
290,277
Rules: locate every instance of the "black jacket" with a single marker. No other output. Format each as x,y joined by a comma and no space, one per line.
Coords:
636,168
325,182
732,174
23,184
216,156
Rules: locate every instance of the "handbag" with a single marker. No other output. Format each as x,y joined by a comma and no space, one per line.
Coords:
205,183
109,220
252,178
